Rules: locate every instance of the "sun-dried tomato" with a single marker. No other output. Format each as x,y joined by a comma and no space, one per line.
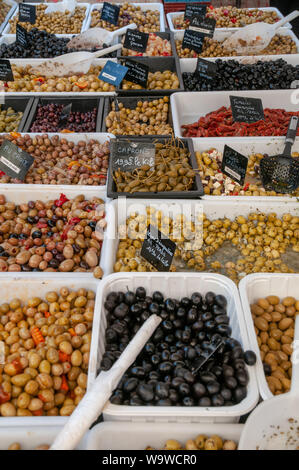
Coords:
62,199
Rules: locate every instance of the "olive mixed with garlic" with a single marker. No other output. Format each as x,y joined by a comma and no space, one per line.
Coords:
9,119
166,80
201,442
257,243
47,343
147,21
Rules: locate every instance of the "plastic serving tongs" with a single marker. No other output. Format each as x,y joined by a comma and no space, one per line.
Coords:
270,424
280,173
255,37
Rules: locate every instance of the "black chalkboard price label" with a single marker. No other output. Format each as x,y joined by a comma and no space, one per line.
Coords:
194,9
27,13
110,13
193,40
6,74
64,115
130,155
205,26
14,161
246,109
234,165
157,249
205,69
137,72
136,40
21,36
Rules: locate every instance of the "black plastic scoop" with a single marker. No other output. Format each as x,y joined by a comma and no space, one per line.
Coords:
280,173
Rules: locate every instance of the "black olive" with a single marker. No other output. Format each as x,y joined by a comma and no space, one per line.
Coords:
207,377
218,400
165,367
185,302
189,377
140,292
184,389
164,402
121,310
267,369
145,392
222,319
158,335
226,394
250,358
106,363
155,359
186,336
180,371
216,310
196,299
228,371
231,382
154,375
199,390
204,401
165,356
177,323
190,353
144,316
240,393
188,401
164,315
136,309
217,370
210,298
201,336
224,330
181,313
158,298
170,339
109,305
176,382
173,395
213,387
170,305
130,298
232,343
111,336
239,364
147,367
135,401
36,234
130,385
206,316
162,390
242,377
210,325
138,372
167,325
116,400
220,300
154,308
191,316
163,346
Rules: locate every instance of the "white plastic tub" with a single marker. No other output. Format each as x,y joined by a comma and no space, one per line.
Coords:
177,285
246,146
31,436
173,15
221,35
13,6
27,285
72,137
29,192
214,208
137,436
143,7
254,287
188,107
35,62
6,30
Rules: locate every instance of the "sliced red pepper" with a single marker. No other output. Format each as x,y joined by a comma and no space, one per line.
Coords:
2,173
64,385
38,412
41,225
17,365
4,396
63,357
47,314
62,199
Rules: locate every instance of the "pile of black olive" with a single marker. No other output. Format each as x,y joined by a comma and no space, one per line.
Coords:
40,44
232,75
162,373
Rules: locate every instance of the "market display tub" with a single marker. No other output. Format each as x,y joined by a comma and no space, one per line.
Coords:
137,435
177,285
13,6
257,286
19,104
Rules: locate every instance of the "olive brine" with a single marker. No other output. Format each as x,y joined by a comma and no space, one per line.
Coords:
162,373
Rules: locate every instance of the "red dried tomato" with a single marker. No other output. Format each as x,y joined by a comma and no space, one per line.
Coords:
62,199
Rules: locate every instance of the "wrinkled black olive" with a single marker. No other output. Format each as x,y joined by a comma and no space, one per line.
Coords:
165,367
188,401
218,400
145,392
226,394
231,382
213,387
209,298
242,377
199,390
267,369
207,377
191,316
224,330
130,298
162,390
250,358
204,401
222,319
240,393
121,310
138,371
130,384
170,305
154,308
140,292
158,297
196,299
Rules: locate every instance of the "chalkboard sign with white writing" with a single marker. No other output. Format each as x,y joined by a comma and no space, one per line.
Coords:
234,165
137,72
194,9
157,249
14,161
193,40
136,40
246,109
27,13
6,74
205,26
21,36
129,155
205,69
110,13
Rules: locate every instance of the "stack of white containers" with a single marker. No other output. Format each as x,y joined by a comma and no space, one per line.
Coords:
137,427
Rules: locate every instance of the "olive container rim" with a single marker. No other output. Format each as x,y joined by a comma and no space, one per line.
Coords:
89,101
195,193
164,35
155,64
23,104
132,101
13,7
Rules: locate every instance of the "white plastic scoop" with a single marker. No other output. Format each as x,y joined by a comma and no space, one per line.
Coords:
69,5
95,399
255,37
273,425
70,64
97,37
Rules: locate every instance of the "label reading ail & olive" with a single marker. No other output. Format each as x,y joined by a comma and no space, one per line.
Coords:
110,13
157,249
234,165
193,40
194,9
246,109
137,72
136,40
14,161
6,74
27,13
128,155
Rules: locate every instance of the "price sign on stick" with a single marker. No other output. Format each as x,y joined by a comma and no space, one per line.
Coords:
158,250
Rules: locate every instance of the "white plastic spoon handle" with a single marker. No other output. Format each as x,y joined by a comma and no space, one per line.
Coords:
107,50
123,30
285,20
295,360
